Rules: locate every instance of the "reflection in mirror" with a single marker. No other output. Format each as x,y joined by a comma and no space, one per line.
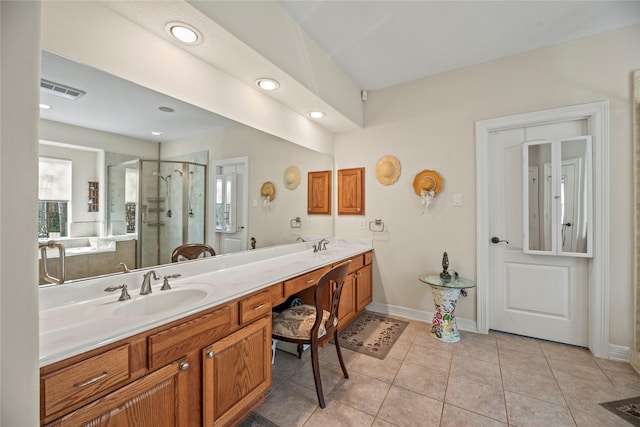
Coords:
538,196
557,197
115,149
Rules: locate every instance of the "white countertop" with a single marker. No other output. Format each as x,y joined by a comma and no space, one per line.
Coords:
78,317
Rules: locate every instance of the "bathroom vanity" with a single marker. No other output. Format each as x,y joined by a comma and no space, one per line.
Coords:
197,354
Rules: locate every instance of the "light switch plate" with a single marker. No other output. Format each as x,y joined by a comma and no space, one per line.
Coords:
457,199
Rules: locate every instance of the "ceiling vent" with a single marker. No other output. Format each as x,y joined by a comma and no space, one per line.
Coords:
60,90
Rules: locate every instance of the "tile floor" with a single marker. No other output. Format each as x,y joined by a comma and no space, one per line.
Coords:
484,380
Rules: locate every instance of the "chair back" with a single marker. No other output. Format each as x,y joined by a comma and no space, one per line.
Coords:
191,251
333,278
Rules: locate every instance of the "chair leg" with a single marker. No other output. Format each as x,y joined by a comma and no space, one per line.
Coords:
300,350
316,375
339,351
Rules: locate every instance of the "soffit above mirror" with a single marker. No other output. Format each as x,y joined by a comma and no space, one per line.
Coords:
226,52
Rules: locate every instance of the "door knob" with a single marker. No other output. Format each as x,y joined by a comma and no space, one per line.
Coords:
498,240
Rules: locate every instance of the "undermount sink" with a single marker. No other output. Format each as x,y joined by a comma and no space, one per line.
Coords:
159,302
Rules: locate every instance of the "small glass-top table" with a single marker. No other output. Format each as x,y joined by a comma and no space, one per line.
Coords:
445,297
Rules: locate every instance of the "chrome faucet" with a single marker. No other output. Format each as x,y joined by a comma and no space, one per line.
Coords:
146,282
321,245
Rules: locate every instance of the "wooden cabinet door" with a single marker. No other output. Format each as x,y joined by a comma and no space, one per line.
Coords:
236,373
158,399
319,193
351,191
364,291
347,307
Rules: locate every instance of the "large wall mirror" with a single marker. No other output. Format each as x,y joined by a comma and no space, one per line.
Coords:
158,191
557,197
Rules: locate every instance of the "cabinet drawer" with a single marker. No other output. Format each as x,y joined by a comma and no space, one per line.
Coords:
254,306
303,282
368,258
70,386
356,263
173,343
277,294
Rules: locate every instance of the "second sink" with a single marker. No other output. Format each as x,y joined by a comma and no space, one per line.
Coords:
158,302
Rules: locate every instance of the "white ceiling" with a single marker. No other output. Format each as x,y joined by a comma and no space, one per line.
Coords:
378,43
385,43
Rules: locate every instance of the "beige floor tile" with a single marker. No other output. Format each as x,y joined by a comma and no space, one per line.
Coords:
568,370
615,366
526,411
518,343
453,416
425,339
484,399
329,374
486,351
361,392
597,417
532,385
569,353
583,395
382,423
421,380
285,366
475,370
406,408
339,415
429,358
525,362
330,355
400,349
290,405
383,370
481,379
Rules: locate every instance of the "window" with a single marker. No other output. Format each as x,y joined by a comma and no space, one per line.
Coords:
54,197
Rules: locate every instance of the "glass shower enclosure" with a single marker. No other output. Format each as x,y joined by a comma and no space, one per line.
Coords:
160,203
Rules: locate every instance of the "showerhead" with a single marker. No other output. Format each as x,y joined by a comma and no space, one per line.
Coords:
160,176
177,171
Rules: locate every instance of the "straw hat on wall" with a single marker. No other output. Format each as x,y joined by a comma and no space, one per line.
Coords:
388,170
291,177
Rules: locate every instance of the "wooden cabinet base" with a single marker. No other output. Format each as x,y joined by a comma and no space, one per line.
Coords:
159,399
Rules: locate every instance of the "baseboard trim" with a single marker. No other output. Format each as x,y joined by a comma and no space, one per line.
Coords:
615,352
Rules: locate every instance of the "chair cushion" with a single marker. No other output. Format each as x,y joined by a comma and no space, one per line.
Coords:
296,322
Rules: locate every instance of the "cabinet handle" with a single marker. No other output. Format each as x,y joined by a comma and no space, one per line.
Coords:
259,307
92,380
210,354
184,366
310,280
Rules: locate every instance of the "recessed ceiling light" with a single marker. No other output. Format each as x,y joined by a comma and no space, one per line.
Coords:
267,84
316,114
156,133
183,32
44,106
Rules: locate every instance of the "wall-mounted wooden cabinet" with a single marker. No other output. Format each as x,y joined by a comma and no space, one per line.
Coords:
351,191
319,193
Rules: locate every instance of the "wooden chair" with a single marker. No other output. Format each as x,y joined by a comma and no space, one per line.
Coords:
191,251
300,325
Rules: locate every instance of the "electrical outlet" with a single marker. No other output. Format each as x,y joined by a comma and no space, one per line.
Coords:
362,224
457,199
255,203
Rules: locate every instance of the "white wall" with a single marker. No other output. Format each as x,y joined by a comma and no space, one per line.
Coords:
430,124
19,74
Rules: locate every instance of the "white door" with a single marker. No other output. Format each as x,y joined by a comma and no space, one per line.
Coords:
539,296
230,213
